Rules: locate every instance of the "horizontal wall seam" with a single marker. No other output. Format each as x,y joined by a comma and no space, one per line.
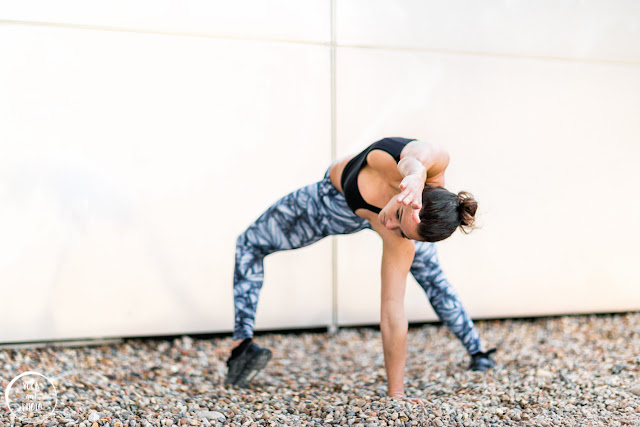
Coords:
160,32
492,54
325,44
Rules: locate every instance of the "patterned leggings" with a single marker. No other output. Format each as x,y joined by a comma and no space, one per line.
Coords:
313,213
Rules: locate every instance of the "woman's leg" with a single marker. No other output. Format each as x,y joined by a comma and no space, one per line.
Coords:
297,220
443,298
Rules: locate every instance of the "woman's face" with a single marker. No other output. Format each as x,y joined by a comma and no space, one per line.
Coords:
398,218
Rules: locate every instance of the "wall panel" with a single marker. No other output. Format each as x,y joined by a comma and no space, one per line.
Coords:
129,168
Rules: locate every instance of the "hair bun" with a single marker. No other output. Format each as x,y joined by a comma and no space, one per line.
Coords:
467,207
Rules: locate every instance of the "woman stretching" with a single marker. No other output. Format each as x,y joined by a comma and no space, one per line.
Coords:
394,187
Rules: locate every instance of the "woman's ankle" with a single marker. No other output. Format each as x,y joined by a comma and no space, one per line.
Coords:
236,343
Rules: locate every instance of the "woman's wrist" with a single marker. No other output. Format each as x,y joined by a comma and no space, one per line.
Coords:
396,394
410,166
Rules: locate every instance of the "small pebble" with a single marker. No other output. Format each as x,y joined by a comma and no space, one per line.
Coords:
635,390
212,415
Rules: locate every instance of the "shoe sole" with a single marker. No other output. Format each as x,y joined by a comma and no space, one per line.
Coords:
251,369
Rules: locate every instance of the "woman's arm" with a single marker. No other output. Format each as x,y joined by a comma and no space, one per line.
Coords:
397,256
420,163
396,260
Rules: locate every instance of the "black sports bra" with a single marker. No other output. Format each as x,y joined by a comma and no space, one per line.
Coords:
349,179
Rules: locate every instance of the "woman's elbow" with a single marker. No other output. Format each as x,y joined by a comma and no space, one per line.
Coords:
392,314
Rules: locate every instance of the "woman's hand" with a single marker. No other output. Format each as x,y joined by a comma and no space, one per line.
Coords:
411,193
414,400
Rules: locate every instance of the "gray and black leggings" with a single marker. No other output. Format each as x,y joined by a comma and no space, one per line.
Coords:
313,213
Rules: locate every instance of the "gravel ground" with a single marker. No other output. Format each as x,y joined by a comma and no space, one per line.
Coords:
563,371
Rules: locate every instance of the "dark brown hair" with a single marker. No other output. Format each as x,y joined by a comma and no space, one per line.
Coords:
443,211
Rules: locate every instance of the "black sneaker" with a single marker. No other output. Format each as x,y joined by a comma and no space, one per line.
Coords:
245,366
482,361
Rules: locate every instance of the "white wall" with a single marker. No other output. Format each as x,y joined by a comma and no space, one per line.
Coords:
135,138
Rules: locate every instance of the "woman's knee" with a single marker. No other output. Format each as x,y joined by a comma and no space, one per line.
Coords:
245,244
241,240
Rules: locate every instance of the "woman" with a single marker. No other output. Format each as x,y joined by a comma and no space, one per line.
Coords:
395,187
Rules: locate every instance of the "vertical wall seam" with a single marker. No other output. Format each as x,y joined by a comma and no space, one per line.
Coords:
334,241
